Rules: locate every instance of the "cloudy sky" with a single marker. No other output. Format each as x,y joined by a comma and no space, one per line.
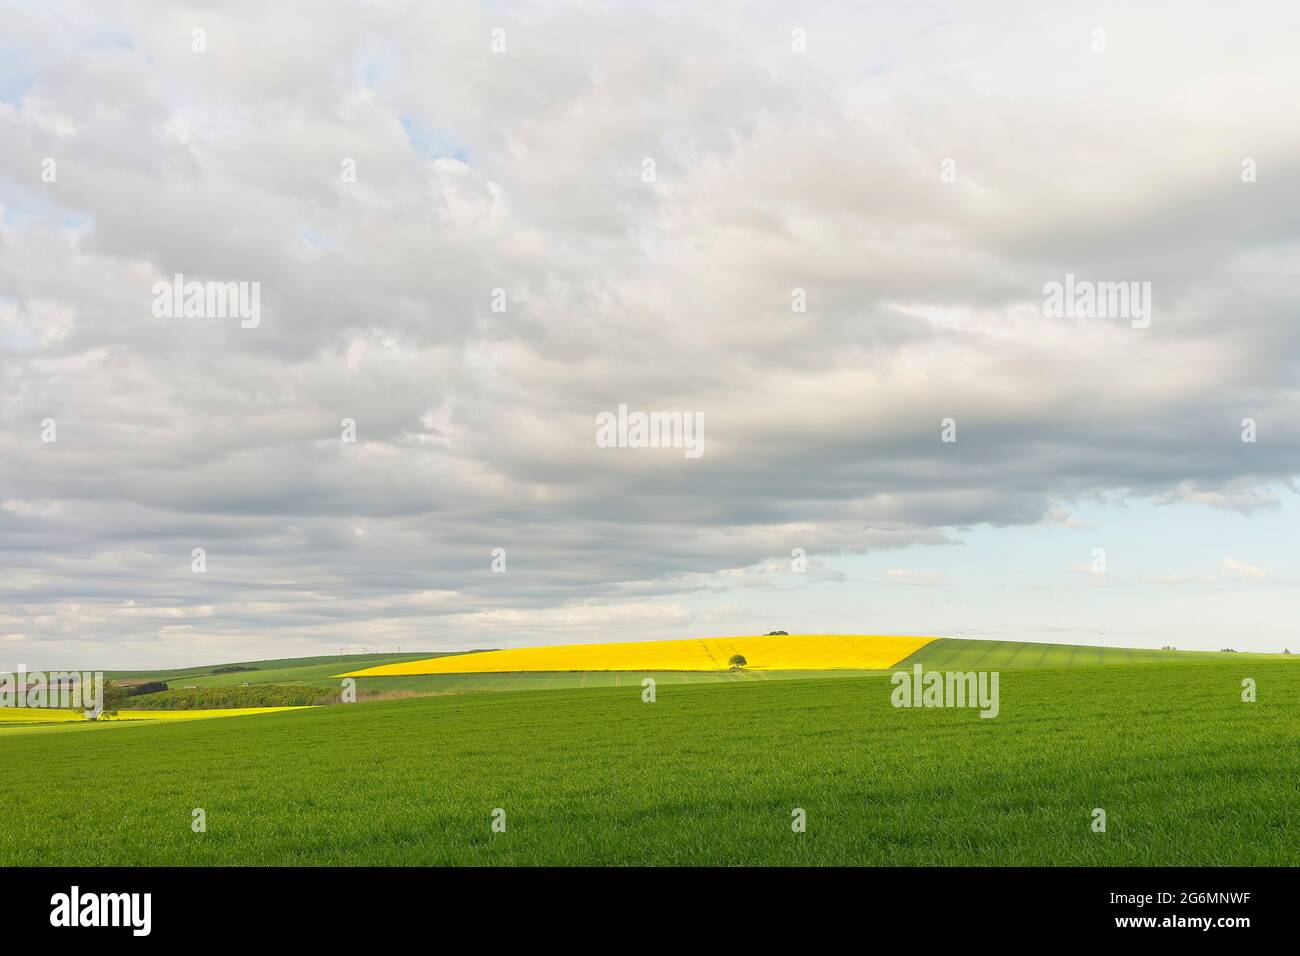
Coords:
821,228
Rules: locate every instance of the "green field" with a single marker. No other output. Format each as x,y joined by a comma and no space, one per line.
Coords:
708,774
954,653
322,672
975,654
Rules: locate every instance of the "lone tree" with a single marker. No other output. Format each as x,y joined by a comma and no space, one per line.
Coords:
737,661
113,695
776,634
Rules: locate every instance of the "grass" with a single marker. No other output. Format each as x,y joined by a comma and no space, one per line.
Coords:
709,774
960,654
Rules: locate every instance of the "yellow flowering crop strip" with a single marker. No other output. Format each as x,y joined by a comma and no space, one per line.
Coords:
50,715
196,714
785,652
38,715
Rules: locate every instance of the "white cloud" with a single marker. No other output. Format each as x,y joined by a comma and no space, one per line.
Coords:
908,576
522,172
1234,568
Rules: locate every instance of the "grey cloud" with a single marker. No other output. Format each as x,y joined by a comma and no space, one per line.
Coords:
476,427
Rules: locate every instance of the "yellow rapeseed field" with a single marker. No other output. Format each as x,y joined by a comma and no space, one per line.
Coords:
795,652
196,714
37,715
33,715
